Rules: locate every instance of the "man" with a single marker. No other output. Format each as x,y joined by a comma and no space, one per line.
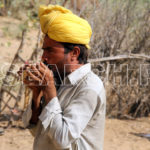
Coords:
67,110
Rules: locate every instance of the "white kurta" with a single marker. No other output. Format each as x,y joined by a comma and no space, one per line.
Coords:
74,120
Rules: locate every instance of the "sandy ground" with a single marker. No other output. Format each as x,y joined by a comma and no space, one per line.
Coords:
119,134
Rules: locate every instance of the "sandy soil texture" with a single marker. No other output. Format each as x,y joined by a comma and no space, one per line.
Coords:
119,135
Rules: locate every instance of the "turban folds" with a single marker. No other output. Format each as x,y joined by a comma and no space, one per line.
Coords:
61,25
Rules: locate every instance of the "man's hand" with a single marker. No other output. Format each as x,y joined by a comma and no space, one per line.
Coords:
36,90
41,77
25,78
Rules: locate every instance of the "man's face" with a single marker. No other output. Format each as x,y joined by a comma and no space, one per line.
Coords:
53,54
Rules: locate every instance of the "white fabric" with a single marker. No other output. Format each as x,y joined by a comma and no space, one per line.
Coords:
47,114
74,120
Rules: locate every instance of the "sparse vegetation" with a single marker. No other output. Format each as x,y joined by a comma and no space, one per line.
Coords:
123,28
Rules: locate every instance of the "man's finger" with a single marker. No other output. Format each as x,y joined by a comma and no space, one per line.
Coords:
31,84
45,69
36,71
24,67
43,65
42,70
33,77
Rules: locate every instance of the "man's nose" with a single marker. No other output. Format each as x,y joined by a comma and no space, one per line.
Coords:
44,58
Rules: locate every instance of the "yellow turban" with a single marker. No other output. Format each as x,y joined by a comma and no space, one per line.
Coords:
62,25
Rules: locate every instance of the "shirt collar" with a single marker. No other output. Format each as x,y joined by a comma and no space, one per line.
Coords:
79,73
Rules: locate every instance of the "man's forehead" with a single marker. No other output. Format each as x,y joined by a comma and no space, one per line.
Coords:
48,42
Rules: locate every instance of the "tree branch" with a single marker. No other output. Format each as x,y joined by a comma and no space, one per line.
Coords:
119,57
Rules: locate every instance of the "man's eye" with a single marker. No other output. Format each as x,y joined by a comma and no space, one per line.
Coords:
47,49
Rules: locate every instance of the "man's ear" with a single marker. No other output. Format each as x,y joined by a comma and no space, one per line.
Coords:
75,53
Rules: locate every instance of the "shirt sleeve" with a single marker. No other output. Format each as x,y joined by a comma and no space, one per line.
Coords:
63,127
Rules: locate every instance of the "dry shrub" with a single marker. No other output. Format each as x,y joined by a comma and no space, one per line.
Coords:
122,27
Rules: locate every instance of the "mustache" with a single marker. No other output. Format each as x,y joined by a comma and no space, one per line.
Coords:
45,63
